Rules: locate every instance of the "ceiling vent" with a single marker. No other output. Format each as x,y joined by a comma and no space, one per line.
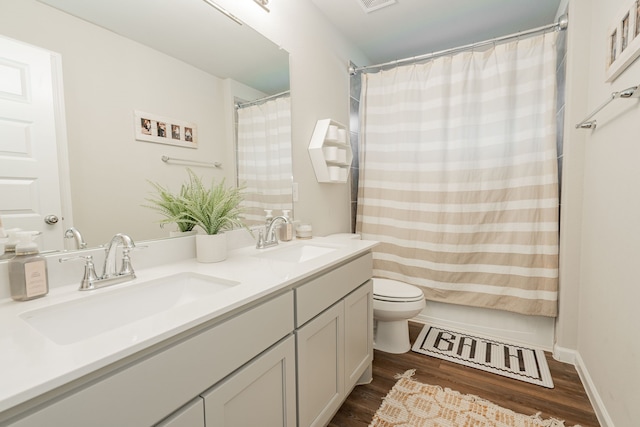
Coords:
371,5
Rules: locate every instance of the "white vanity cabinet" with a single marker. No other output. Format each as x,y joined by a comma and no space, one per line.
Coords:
263,393
288,359
358,335
334,337
321,367
146,390
191,415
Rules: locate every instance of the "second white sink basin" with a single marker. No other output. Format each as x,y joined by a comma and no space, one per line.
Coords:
297,253
74,321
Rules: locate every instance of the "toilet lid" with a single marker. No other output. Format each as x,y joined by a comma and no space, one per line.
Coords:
392,290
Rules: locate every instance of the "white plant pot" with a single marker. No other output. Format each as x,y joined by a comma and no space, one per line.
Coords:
182,233
211,247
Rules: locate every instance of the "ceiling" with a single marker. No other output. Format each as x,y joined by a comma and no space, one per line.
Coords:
404,29
414,27
193,32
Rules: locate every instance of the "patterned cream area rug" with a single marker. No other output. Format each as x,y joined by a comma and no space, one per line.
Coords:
509,360
413,404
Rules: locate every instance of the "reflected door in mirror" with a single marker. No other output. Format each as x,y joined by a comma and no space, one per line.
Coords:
29,185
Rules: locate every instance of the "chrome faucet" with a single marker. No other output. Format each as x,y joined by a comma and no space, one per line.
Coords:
110,275
109,269
269,238
74,233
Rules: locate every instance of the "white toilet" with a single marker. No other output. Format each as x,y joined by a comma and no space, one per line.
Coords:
394,303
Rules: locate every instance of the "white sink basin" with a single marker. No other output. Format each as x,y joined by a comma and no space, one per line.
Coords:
74,321
298,253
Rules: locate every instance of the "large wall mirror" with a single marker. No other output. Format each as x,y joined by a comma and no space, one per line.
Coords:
184,61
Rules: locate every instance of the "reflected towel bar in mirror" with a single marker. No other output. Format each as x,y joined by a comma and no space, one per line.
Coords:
168,159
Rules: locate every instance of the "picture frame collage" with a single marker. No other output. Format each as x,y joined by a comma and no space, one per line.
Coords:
162,130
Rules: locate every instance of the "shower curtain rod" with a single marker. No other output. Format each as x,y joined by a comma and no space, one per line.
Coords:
257,101
562,24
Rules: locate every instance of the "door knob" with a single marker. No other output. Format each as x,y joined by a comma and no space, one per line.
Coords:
51,219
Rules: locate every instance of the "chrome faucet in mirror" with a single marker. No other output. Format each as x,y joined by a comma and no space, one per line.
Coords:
78,241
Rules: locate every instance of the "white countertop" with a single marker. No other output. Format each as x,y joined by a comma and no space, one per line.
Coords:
32,364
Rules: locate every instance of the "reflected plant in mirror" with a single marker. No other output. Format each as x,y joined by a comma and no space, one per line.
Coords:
172,206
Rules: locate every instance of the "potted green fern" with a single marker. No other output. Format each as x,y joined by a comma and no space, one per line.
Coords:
214,209
172,207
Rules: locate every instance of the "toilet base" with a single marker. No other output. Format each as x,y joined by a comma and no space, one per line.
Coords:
392,336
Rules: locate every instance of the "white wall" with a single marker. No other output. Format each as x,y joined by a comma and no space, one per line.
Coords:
600,222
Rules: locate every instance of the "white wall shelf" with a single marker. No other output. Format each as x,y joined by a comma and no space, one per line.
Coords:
330,151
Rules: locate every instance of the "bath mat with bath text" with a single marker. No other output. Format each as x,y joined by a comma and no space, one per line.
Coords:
509,360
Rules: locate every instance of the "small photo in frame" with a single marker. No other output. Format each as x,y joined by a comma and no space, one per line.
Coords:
623,44
150,127
637,20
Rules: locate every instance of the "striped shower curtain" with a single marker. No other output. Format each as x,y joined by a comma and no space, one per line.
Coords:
458,176
264,158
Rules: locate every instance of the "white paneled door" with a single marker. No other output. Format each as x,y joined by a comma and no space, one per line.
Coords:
29,178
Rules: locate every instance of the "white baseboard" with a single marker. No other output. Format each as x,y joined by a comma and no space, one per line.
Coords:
564,355
571,356
594,397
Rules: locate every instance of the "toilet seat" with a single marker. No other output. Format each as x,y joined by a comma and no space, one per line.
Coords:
394,291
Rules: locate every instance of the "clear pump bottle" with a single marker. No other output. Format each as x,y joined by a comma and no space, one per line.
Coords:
28,277
286,228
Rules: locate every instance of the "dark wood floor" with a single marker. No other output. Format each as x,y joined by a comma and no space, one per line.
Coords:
566,401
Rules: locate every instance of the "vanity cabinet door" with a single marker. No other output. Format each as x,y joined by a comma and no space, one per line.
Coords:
262,393
358,333
190,415
320,350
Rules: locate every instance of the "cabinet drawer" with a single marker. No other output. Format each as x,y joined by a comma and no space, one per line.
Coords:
191,415
320,293
152,388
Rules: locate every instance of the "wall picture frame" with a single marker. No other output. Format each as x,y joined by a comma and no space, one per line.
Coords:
623,41
150,127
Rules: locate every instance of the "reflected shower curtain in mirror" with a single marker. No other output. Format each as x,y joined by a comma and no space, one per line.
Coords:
264,158
458,176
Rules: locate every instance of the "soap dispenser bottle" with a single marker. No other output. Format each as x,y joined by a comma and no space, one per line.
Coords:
28,277
286,228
